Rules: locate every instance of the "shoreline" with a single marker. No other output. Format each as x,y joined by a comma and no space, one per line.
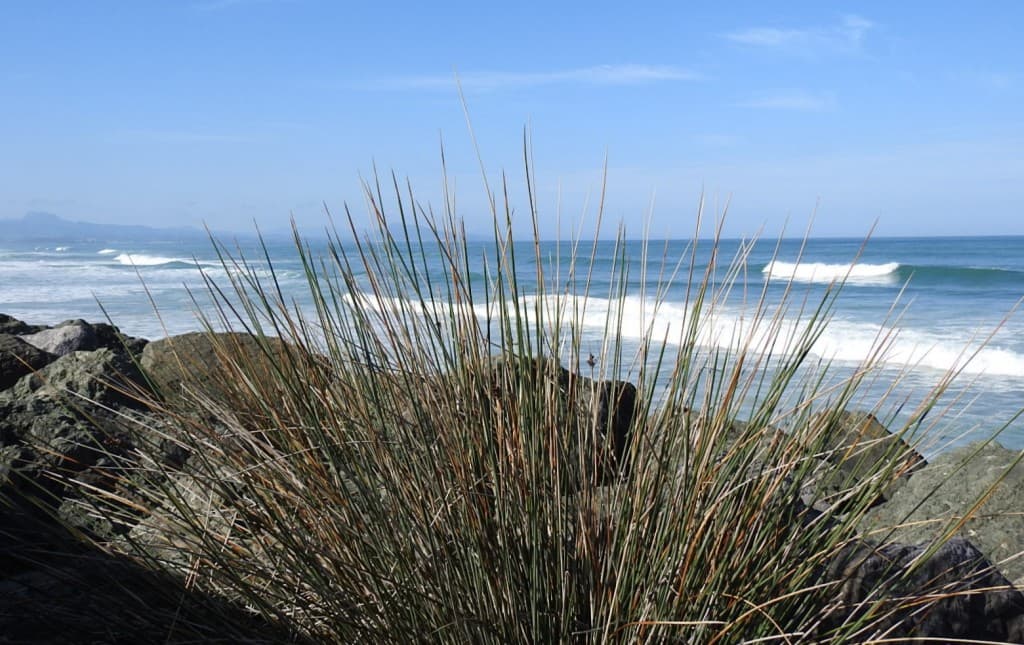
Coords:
967,422
95,361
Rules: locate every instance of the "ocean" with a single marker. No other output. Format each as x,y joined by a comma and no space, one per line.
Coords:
952,294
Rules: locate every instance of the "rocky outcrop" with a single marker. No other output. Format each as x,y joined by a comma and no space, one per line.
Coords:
11,325
180,366
975,601
975,576
18,358
949,488
59,415
62,419
73,410
54,589
853,444
67,420
80,336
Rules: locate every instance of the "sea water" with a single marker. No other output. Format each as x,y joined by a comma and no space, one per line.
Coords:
936,304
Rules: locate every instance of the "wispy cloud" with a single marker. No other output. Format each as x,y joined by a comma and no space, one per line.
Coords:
597,75
766,36
847,36
796,100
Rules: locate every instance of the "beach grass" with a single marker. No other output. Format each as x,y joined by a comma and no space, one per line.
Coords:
430,454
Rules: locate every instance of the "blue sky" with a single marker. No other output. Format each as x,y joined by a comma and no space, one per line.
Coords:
234,111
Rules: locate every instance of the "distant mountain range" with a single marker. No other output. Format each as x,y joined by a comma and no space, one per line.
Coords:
50,227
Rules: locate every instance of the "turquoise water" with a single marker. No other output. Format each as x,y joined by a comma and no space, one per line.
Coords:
952,294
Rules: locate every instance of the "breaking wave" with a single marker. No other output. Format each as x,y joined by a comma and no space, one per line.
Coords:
142,260
821,272
841,340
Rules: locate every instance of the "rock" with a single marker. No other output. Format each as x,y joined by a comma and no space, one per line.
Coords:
616,406
70,336
766,442
160,533
948,488
78,335
11,325
194,361
18,358
603,408
102,376
54,447
977,602
56,589
856,446
61,423
9,458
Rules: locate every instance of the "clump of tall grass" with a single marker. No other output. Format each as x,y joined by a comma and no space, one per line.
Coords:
424,458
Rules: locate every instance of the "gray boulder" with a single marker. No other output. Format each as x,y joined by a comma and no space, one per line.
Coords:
102,376
70,336
194,362
18,358
79,335
61,420
75,426
947,489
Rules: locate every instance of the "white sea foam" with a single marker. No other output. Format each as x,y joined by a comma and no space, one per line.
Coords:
61,249
106,251
142,260
855,341
728,328
821,272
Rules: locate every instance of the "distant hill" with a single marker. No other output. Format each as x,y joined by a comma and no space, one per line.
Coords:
50,227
